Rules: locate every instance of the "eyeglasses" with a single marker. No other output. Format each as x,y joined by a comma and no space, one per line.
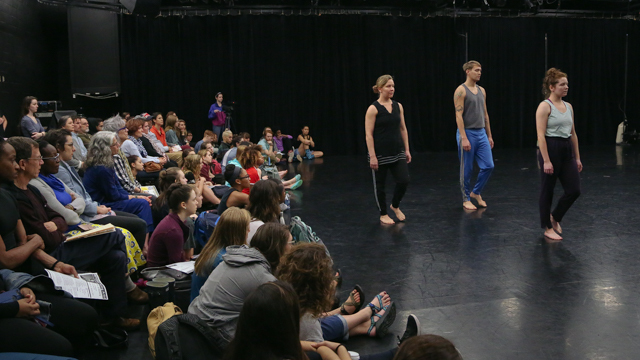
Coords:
244,177
55,158
39,158
116,145
124,128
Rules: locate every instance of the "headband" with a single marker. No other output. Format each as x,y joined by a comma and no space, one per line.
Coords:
236,174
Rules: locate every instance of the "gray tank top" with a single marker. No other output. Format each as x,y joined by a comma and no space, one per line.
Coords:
559,123
473,114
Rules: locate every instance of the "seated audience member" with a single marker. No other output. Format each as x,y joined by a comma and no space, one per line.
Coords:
182,133
30,125
158,128
83,134
191,168
428,347
250,159
167,178
170,131
284,144
187,152
208,138
3,124
225,145
264,206
232,153
308,268
268,149
128,181
210,167
101,181
238,178
125,116
245,137
231,230
136,164
305,144
66,123
73,320
105,254
155,147
81,151
95,125
168,239
93,212
133,145
242,270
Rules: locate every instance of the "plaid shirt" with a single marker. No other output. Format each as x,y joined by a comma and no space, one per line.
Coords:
128,184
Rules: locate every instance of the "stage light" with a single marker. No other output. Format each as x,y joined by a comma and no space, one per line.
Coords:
527,4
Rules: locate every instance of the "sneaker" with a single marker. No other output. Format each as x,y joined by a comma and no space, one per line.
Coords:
291,156
296,185
413,329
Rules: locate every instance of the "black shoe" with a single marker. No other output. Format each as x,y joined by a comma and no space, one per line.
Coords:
413,329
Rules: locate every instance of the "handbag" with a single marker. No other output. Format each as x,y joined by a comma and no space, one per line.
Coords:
152,167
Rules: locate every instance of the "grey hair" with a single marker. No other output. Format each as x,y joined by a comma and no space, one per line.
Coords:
99,149
113,124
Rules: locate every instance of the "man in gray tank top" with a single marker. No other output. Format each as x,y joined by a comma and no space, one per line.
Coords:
473,135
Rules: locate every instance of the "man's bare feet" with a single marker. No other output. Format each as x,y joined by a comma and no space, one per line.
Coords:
468,205
399,214
478,198
386,220
551,235
556,226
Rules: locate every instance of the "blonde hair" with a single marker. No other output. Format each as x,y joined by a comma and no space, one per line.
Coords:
381,82
552,77
469,65
192,163
230,230
227,133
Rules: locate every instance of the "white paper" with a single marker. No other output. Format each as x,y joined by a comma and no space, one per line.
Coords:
88,286
150,190
186,267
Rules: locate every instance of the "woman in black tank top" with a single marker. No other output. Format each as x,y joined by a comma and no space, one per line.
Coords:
238,178
388,147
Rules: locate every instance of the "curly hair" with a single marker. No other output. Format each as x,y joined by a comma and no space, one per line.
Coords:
307,267
250,156
551,78
99,149
192,163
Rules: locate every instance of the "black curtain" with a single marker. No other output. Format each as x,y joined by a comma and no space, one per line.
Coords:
290,71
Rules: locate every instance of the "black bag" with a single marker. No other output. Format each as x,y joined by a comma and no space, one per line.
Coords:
186,337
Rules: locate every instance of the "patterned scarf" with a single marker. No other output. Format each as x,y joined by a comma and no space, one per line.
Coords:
141,149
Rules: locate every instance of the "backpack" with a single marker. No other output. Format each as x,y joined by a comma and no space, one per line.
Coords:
270,171
205,223
186,337
302,232
156,317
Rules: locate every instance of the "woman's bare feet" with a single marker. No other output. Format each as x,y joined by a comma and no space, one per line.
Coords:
556,226
468,205
551,235
478,198
349,306
386,220
283,173
399,214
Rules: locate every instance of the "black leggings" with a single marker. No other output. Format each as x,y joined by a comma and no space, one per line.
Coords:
74,323
560,152
400,172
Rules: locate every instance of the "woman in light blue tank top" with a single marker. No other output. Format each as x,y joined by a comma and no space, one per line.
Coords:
559,154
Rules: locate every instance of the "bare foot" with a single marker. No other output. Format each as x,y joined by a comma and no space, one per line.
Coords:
556,226
468,205
386,300
283,173
551,235
386,220
398,213
478,198
349,306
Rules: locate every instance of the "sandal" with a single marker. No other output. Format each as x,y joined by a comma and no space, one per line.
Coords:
338,279
384,321
351,301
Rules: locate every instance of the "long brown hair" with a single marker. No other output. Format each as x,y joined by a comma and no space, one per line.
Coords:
271,240
26,103
264,201
307,267
192,163
230,230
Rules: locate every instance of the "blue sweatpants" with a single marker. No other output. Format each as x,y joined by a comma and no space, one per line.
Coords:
481,153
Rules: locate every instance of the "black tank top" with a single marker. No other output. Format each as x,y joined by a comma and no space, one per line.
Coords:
386,134
223,202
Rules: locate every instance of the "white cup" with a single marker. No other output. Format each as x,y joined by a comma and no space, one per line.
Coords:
354,355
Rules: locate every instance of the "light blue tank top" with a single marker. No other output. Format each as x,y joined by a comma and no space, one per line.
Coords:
559,124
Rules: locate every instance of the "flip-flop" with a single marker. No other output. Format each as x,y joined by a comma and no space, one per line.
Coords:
384,322
351,301
338,279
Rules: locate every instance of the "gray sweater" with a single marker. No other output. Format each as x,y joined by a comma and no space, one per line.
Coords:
221,297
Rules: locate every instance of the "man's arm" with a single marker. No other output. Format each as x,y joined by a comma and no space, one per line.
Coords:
27,245
458,102
487,125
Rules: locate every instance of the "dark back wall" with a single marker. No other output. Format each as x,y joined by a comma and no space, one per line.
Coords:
287,71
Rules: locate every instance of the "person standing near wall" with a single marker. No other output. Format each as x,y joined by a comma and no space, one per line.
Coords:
473,135
388,146
559,155
216,116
